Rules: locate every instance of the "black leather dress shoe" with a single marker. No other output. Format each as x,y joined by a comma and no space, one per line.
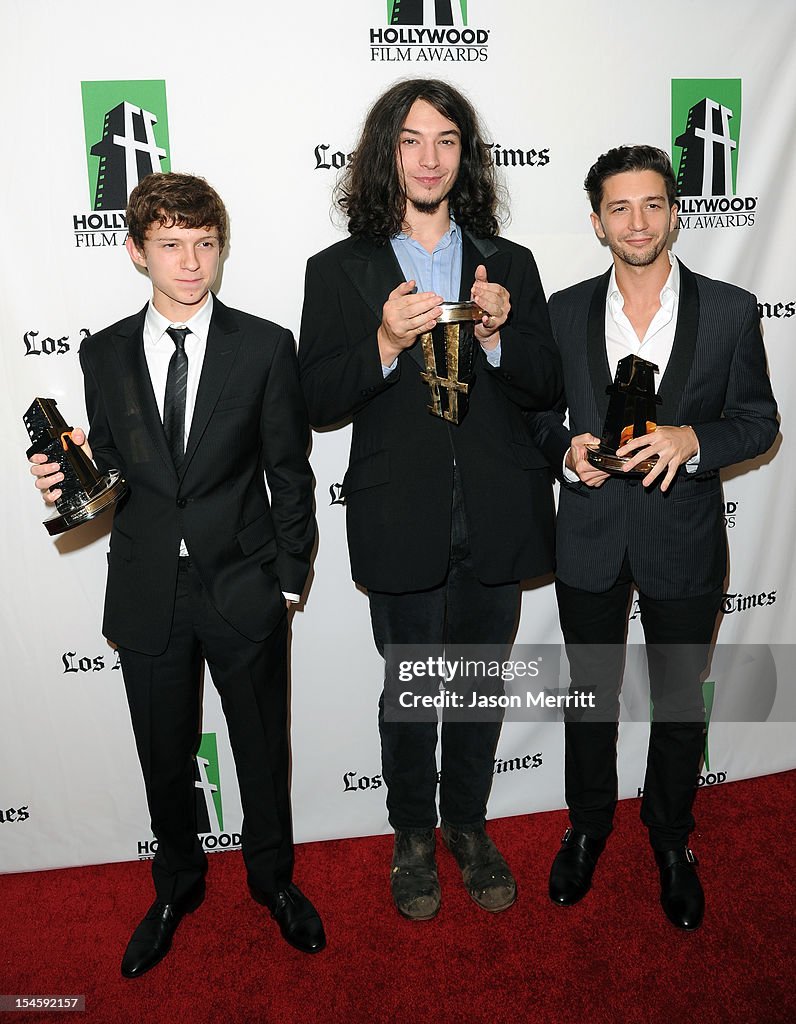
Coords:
573,867
485,873
151,940
298,920
413,875
682,897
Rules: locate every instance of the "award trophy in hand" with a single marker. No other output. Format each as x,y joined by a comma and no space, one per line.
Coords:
631,413
85,492
449,356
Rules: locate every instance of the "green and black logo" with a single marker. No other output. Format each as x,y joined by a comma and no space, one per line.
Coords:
706,134
127,137
428,31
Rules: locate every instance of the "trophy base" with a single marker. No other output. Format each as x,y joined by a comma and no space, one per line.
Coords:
113,489
607,460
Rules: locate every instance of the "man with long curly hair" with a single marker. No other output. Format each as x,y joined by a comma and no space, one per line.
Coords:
443,521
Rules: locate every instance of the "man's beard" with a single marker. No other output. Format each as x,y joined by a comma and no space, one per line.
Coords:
639,259
428,207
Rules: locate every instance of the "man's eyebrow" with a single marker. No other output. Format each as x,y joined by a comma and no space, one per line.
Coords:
448,131
620,202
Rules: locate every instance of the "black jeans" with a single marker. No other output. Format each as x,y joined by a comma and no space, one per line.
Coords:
678,635
461,610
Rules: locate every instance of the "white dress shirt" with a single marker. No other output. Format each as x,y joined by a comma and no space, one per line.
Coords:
656,346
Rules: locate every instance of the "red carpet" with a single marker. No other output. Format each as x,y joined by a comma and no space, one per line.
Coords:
614,958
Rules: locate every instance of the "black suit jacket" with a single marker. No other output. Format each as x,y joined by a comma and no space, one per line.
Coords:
398,487
716,381
250,417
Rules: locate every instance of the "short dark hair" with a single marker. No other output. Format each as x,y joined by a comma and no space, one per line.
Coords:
370,193
172,199
629,158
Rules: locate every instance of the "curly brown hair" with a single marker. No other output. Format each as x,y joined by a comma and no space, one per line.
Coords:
371,194
168,199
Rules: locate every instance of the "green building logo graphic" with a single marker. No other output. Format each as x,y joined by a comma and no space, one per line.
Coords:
411,12
209,813
127,137
706,129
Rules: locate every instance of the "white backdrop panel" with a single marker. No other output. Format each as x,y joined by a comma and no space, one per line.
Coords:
262,101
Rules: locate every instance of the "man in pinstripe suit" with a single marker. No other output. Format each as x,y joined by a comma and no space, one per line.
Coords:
662,532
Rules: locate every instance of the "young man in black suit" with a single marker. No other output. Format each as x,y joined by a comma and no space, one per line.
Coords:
443,521
197,405
664,532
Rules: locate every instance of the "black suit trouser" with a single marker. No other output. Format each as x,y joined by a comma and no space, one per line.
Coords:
678,635
164,694
461,610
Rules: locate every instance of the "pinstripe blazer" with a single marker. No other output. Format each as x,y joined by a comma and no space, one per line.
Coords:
716,381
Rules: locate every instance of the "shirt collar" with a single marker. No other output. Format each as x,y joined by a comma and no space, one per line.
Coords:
199,324
454,233
670,291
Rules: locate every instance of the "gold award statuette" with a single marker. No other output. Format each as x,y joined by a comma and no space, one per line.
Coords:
449,356
85,492
631,413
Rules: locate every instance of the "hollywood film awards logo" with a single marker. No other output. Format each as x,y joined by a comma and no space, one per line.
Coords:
428,31
706,129
209,807
127,137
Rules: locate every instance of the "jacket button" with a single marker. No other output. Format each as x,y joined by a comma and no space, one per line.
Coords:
181,502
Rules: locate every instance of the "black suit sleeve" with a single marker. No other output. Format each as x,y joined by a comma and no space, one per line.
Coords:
339,374
285,438
530,365
106,455
748,424
547,426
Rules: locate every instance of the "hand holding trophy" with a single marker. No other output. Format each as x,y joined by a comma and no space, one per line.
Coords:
631,413
85,492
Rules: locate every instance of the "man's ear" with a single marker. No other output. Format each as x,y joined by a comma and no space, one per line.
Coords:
596,223
136,255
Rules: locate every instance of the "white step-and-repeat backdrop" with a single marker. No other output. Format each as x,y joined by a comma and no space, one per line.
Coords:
265,100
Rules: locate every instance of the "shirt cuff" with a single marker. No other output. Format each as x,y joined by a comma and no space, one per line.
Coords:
493,355
291,597
692,466
387,370
569,475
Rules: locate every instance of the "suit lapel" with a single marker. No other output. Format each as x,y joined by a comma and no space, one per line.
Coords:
223,341
139,398
685,337
374,272
596,355
476,251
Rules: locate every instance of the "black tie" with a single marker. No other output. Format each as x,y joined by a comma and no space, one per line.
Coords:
174,403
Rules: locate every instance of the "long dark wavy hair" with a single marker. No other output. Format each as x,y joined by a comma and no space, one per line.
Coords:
370,192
